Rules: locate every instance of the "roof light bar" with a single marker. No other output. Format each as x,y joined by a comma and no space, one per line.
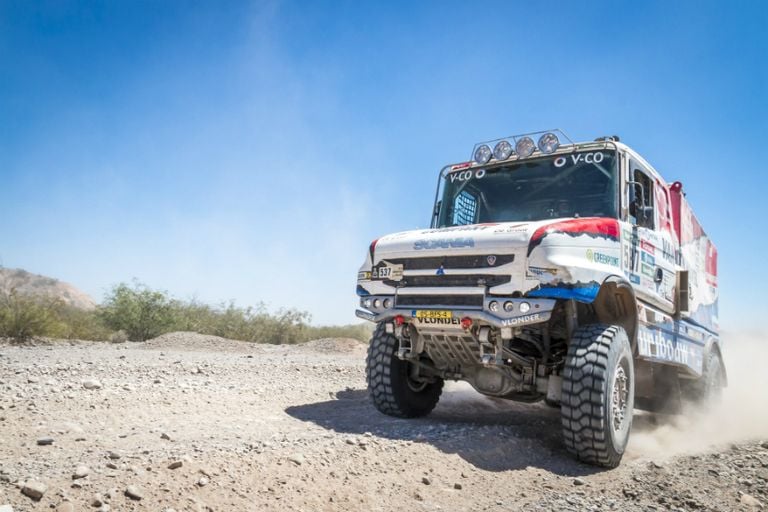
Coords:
522,146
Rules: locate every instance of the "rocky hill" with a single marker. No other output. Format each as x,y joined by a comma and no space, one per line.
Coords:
27,283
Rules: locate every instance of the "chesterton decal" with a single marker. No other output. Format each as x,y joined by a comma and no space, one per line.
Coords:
605,259
443,243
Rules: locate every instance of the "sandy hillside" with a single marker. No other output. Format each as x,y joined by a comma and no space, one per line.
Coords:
27,283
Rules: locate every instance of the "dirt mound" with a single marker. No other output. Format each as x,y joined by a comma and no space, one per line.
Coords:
29,284
336,345
181,340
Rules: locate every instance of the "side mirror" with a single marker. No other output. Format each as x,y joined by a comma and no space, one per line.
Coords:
646,212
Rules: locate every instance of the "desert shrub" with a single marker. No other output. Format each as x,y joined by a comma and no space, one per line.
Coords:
23,317
78,324
118,337
139,311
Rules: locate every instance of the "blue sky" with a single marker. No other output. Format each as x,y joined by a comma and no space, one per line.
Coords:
251,151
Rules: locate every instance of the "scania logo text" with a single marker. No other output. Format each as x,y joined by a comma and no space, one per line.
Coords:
443,243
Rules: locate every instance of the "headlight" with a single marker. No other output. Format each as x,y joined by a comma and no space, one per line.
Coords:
493,306
376,303
525,307
503,150
509,306
483,154
548,143
387,303
367,302
524,147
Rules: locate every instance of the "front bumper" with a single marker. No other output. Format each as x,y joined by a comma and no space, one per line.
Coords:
540,310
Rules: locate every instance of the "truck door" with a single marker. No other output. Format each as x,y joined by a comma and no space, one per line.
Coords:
653,249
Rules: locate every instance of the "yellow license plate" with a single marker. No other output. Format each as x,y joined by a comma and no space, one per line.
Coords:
430,313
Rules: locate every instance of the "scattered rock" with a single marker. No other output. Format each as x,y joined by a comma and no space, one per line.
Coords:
80,472
97,500
65,506
457,486
175,464
426,481
33,380
34,489
44,441
297,459
203,481
91,384
6,508
111,465
579,481
113,455
165,436
134,492
750,501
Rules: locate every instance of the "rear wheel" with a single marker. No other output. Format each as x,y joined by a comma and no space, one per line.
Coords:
598,394
391,385
708,388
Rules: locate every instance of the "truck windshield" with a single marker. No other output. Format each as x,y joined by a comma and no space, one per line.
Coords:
580,184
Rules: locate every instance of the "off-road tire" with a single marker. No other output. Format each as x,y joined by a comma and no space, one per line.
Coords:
707,389
599,356
389,383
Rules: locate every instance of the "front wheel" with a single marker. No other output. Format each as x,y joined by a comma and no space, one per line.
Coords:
598,394
391,385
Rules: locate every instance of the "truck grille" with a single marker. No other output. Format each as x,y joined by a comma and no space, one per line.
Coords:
453,262
437,281
439,300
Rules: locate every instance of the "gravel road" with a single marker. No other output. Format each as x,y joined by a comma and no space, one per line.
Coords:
191,422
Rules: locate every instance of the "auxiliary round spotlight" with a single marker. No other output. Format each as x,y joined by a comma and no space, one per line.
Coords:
387,303
502,150
524,147
367,302
525,307
376,303
548,143
483,154
493,306
509,306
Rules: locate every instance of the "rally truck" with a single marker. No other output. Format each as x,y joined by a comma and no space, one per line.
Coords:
566,272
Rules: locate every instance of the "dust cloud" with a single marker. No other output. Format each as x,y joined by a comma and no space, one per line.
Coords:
741,415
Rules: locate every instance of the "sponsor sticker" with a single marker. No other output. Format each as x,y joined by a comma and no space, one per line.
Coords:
453,323
646,270
647,246
363,276
634,278
599,257
647,258
520,320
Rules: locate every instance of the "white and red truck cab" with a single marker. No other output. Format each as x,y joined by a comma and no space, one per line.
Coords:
569,272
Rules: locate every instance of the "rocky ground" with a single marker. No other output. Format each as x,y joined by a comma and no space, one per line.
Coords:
190,422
